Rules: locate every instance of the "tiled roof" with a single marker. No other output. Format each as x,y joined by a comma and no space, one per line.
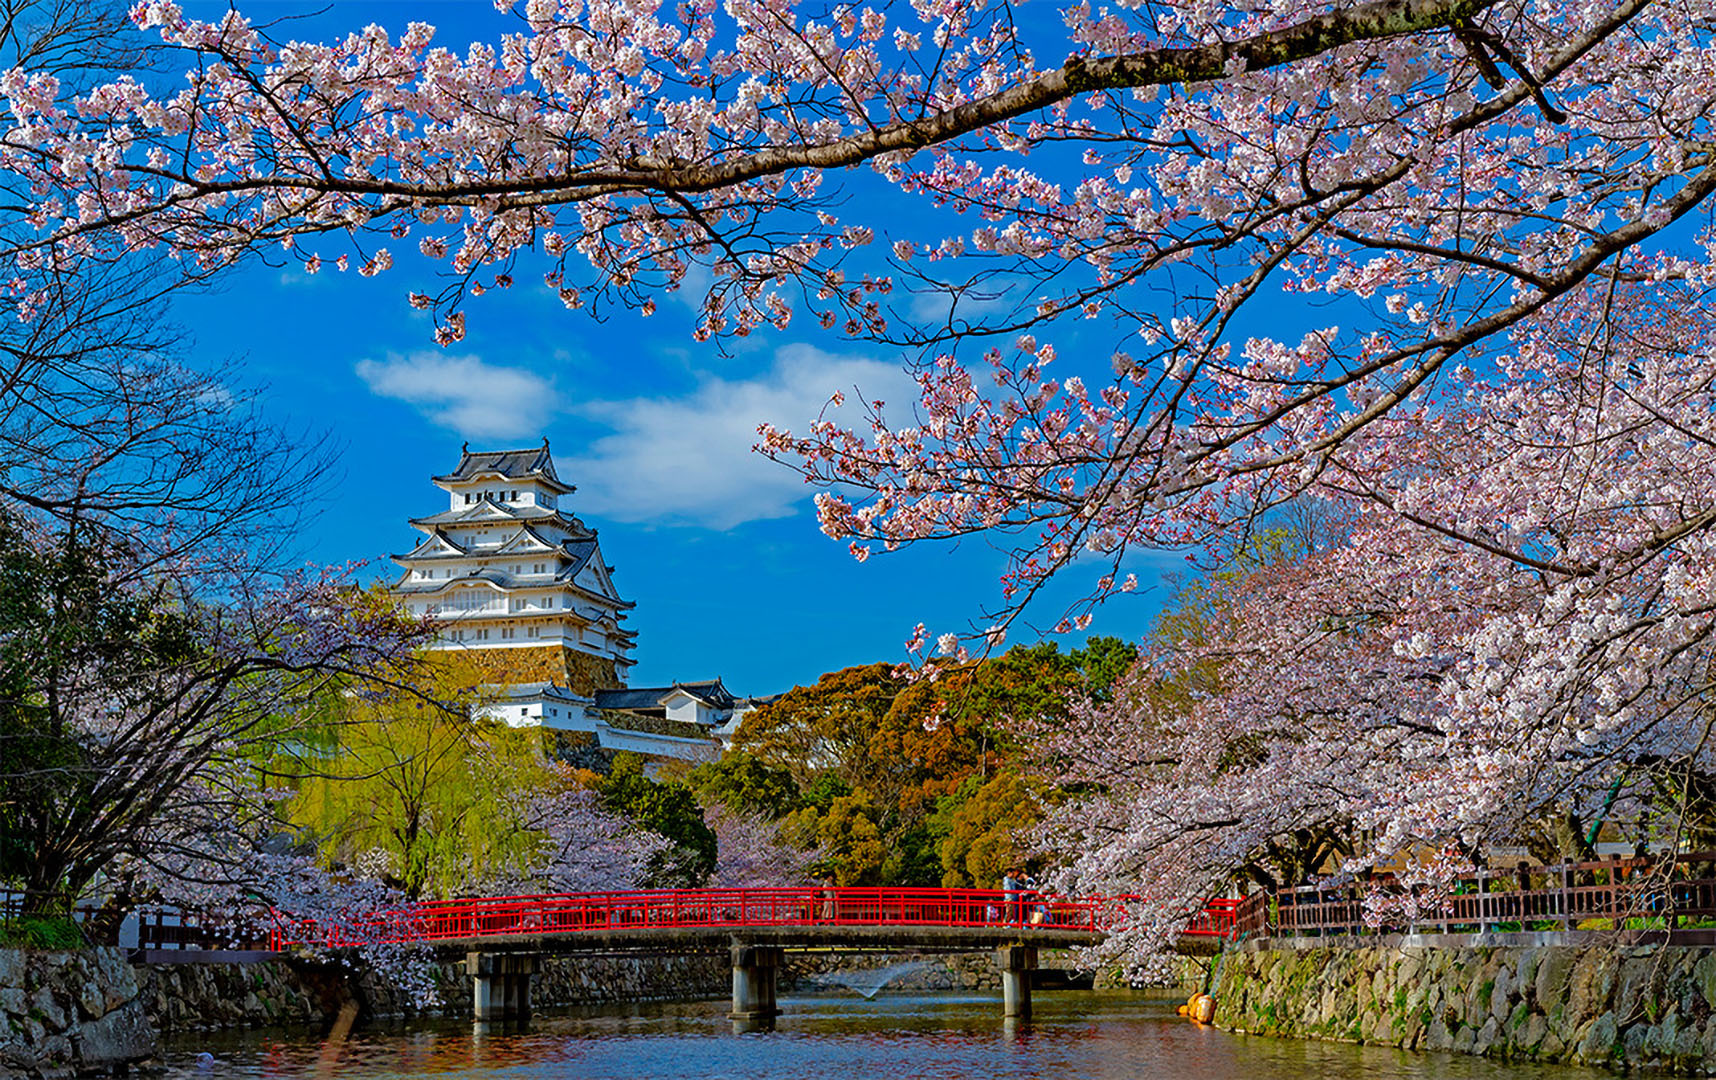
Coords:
629,700
492,577
710,692
527,691
577,552
533,464
492,513
425,549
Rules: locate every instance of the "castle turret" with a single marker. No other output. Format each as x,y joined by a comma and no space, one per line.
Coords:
514,577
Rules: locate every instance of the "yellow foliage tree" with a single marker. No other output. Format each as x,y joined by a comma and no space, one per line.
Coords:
847,830
985,832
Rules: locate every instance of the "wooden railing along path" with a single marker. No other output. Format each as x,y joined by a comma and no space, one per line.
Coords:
1638,894
168,927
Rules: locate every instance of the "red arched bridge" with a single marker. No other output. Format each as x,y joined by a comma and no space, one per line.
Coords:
504,937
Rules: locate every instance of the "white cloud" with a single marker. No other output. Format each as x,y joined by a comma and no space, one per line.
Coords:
689,459
476,399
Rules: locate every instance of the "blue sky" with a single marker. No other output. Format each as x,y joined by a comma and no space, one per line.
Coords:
718,547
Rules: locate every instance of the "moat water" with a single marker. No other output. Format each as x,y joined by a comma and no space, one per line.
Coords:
944,1036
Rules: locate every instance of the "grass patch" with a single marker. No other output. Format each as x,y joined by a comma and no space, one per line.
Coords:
40,933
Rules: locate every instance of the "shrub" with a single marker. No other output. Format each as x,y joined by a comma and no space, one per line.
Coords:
40,933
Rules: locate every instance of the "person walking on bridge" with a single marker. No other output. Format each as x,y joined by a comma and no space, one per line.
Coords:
1010,886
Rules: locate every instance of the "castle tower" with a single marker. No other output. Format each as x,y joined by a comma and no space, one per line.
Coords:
515,580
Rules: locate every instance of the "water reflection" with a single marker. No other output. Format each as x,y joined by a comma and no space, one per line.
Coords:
892,1037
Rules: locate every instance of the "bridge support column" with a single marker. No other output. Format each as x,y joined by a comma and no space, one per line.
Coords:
500,984
754,975
1016,963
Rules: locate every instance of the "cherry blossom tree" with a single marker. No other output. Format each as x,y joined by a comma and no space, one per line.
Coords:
752,853
136,717
1503,206
1450,170
1504,623
580,845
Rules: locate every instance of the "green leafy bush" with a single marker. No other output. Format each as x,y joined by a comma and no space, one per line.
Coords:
40,933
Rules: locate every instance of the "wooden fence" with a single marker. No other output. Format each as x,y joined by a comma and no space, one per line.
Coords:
169,927
1640,894
161,927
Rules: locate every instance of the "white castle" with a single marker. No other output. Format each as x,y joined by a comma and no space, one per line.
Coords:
510,575
504,568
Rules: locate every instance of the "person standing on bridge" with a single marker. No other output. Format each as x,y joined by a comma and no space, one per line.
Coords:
1010,886
1039,911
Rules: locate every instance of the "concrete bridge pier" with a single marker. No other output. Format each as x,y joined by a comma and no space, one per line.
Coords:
755,971
1016,963
500,984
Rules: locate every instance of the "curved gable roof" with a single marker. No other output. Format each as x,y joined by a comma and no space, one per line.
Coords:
533,464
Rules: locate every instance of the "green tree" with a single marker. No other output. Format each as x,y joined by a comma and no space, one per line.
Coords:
743,783
900,747
669,810
136,718
826,727
62,617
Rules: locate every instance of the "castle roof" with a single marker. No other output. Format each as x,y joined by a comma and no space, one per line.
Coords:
491,513
643,698
533,464
579,554
544,690
526,543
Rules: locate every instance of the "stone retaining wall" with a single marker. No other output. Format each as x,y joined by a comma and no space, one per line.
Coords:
957,971
286,991
203,997
1623,1007
65,1013
191,997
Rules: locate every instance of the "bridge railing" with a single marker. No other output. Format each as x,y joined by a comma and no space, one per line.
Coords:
571,913
1219,918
